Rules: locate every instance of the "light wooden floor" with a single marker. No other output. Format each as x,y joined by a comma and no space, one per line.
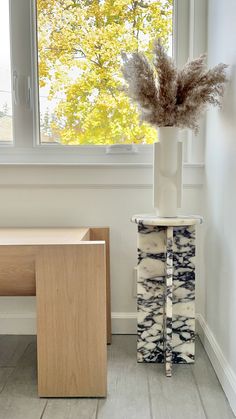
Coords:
136,391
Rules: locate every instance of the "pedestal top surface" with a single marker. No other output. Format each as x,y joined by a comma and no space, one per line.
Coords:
152,219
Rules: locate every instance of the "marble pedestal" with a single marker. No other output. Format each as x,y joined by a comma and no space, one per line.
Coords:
166,289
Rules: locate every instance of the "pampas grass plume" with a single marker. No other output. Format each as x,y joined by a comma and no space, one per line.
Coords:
167,96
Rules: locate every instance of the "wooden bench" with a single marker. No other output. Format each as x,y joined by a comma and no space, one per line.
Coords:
68,271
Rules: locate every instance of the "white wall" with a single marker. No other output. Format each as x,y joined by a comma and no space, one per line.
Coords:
85,196
218,311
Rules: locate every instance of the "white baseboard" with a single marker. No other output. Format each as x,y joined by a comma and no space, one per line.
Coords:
25,323
18,323
124,323
221,366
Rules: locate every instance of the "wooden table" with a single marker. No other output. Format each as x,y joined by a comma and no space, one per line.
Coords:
68,271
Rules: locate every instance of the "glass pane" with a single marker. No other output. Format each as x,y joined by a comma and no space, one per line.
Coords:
79,48
5,75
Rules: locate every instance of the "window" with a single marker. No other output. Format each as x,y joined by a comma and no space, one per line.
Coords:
60,91
6,135
80,81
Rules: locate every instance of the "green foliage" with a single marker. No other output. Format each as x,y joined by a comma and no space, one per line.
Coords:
4,111
80,44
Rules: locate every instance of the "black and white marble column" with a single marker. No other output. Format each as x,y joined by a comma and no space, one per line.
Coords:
166,289
168,298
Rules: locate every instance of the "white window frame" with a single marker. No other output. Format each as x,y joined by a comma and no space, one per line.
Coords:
26,148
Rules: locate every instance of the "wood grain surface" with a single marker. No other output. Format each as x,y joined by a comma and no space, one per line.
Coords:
71,320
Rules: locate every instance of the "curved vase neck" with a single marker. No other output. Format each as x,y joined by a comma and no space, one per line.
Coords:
168,134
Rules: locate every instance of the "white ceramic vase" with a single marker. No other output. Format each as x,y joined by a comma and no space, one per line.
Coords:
167,182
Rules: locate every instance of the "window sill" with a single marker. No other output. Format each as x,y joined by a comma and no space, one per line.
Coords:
75,155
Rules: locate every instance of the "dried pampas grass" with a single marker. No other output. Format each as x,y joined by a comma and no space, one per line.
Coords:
170,97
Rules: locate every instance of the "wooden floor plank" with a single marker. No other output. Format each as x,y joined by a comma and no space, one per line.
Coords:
213,398
12,348
176,397
19,399
128,396
71,409
5,372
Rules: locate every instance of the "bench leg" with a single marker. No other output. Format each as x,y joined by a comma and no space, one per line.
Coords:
103,233
71,320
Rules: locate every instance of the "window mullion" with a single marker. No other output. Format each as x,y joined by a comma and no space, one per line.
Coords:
20,24
190,31
181,32
197,46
